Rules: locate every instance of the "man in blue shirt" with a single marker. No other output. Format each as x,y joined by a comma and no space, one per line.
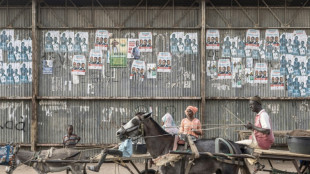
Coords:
124,150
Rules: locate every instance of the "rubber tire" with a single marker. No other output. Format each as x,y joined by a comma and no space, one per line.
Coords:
149,171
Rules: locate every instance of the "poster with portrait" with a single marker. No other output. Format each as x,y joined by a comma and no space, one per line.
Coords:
229,47
286,43
17,51
224,69
297,86
299,43
277,80
80,42
137,70
176,43
164,62
272,38
213,38
6,37
151,71
261,73
95,59
10,73
26,50
47,66
212,69
249,62
118,52
249,75
252,39
133,49
51,41
236,65
66,42
78,65
236,81
102,40
190,43
145,40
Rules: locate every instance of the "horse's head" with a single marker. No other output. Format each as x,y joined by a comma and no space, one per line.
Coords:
133,128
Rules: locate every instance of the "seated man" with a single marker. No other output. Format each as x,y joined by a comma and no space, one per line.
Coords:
124,150
262,136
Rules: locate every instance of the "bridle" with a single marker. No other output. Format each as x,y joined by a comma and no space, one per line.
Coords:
139,127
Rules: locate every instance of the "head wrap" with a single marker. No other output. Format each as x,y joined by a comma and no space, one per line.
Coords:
257,99
193,109
169,124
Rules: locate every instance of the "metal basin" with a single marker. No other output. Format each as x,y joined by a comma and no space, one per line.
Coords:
298,144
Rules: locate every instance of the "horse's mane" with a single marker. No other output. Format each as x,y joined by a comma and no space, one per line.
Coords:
161,130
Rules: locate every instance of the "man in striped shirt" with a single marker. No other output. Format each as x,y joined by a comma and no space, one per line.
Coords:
70,140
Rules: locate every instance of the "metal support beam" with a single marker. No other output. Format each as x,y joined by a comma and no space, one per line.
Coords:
296,13
106,12
271,11
84,17
159,12
221,15
246,13
131,13
184,14
22,12
34,117
64,24
203,61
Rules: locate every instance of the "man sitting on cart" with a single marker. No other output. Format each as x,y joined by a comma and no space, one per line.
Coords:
124,150
191,125
262,136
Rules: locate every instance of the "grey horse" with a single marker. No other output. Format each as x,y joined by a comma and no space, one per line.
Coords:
41,167
159,142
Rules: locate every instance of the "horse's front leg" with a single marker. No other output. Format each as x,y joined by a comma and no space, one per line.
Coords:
9,170
38,171
77,169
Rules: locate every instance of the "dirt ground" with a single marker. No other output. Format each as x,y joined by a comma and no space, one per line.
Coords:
115,169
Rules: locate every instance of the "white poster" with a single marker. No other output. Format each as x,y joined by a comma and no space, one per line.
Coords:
261,73
224,69
133,49
102,40
252,39
277,80
164,62
66,41
51,43
151,71
212,38
145,41
78,65
137,70
95,59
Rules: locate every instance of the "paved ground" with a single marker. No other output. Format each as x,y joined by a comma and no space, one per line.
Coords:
115,169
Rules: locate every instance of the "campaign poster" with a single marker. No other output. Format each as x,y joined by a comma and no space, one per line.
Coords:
297,86
212,68
26,50
17,55
176,43
95,59
237,80
80,42
190,43
47,66
249,62
213,38
236,64
261,73
252,39
78,65
102,40
145,41
224,69
137,70
151,71
249,75
272,38
229,47
66,42
118,52
164,62
6,37
133,49
299,43
277,80
51,41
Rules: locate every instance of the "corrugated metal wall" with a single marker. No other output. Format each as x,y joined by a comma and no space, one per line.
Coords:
97,120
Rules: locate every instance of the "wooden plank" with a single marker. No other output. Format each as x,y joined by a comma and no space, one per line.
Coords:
279,153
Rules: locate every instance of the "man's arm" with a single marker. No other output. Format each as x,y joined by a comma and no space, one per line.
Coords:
262,130
198,131
181,129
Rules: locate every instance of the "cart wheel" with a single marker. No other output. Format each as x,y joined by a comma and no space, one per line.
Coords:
149,171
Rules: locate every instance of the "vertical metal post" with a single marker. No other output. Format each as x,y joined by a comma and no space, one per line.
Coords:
34,117
173,12
203,62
